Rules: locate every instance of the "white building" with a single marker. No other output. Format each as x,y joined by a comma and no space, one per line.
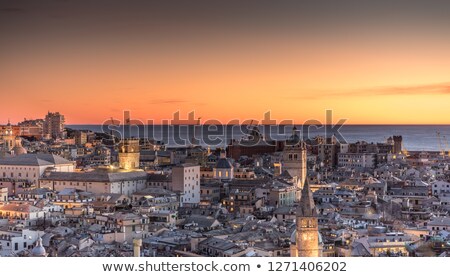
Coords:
31,167
440,187
14,240
186,182
97,181
356,160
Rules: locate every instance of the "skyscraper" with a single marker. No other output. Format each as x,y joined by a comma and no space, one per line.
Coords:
54,125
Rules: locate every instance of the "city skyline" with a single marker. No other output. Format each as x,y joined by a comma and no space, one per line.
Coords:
238,60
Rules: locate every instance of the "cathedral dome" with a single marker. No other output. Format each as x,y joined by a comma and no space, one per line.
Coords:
39,250
223,163
19,150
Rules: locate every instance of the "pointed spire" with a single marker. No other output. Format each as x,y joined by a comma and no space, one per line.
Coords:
306,207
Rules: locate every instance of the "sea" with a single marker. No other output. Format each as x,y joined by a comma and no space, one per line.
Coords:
415,137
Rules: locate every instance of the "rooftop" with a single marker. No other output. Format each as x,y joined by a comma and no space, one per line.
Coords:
96,176
35,160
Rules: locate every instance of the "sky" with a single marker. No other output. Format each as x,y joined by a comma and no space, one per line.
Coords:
370,62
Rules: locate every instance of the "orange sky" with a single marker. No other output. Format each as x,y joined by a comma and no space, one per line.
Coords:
369,74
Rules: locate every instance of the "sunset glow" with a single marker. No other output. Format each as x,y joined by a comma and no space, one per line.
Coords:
393,70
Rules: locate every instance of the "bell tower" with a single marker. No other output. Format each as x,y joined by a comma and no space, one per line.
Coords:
294,162
9,140
307,227
129,154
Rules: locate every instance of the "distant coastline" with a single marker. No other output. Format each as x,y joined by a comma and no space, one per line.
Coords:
415,137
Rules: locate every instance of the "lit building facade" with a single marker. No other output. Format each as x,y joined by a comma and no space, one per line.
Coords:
307,227
129,154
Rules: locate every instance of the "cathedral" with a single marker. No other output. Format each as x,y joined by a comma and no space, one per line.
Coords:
306,240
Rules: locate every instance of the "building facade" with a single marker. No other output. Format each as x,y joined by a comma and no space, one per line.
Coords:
357,160
186,182
30,167
294,162
54,125
129,154
98,181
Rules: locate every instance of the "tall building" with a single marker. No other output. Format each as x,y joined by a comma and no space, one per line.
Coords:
307,227
186,182
294,162
327,151
129,154
54,125
80,137
398,144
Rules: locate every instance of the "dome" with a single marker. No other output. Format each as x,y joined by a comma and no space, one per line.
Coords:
19,150
223,163
39,250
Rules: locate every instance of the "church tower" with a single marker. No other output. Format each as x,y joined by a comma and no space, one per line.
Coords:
307,229
129,154
294,161
9,140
